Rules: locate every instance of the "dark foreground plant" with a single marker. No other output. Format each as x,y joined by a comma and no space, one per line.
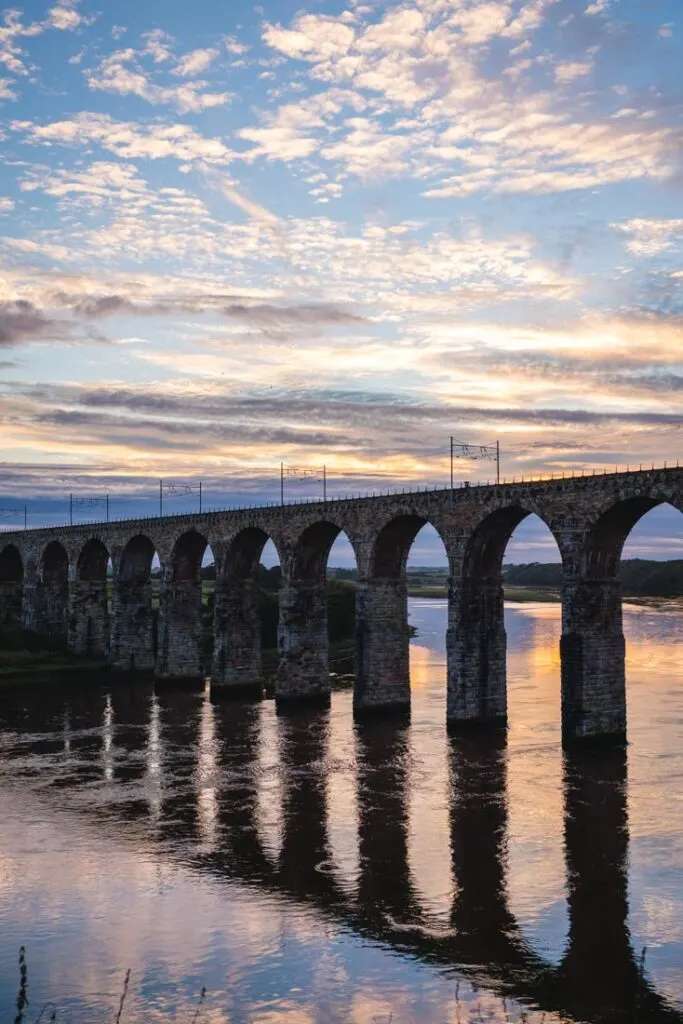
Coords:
51,1008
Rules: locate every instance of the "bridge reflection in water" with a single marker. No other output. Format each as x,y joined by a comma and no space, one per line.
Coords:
192,776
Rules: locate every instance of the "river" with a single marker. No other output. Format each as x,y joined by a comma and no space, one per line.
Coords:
302,869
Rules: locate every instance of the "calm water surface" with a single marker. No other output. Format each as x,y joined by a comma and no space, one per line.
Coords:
304,869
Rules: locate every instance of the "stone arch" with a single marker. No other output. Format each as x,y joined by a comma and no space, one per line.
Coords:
593,642
244,551
135,563
393,542
54,563
134,621
609,531
89,624
312,549
237,666
52,590
186,556
382,632
304,666
92,561
11,565
477,641
185,618
11,585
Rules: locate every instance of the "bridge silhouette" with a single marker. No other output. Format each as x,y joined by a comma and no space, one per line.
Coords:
55,580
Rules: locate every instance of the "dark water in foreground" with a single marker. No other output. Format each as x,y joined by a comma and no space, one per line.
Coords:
306,870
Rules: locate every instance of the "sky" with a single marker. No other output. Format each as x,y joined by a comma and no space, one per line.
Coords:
235,236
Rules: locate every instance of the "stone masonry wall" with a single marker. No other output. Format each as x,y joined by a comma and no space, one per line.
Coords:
589,518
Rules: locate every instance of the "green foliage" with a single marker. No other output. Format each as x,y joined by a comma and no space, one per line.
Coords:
639,577
14,638
341,597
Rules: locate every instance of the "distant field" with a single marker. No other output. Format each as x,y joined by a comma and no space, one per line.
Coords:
511,593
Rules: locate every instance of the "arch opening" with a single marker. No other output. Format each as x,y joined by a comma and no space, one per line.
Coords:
393,544
317,616
186,611
52,591
593,640
245,597
11,586
136,560
11,565
90,604
478,620
92,562
531,573
136,594
383,632
606,540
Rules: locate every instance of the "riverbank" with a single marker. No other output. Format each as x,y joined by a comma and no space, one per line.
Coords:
510,593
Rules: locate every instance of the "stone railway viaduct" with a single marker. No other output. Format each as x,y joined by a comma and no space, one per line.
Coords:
55,580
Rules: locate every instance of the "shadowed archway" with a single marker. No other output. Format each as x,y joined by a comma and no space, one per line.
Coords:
383,635
89,601
245,602
52,591
11,586
305,623
134,618
184,650
477,641
593,645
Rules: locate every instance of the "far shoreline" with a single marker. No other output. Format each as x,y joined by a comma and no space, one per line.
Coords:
540,595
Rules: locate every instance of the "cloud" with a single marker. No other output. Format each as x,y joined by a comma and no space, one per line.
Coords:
650,236
158,44
129,140
314,36
121,73
431,60
6,92
568,71
21,321
66,17
195,62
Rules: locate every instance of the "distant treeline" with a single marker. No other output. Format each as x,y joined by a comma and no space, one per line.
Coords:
639,576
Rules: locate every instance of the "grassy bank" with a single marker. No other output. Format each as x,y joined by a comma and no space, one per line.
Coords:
511,593
24,654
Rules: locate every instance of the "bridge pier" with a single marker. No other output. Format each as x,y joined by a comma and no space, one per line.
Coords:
51,607
303,673
593,660
237,661
179,656
476,651
133,633
382,646
11,598
88,618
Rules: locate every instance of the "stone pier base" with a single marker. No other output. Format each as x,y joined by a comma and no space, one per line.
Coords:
303,674
237,667
133,640
476,650
382,647
593,661
89,618
179,656
11,594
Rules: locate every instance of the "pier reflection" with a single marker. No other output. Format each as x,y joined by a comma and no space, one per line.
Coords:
188,775
240,850
386,894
